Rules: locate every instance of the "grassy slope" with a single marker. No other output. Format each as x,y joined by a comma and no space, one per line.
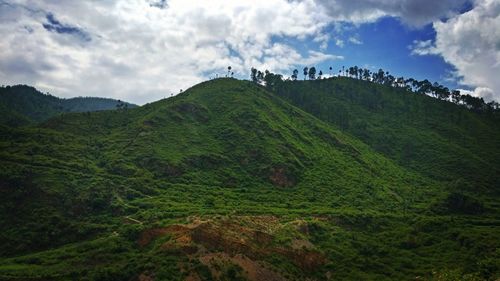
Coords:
224,147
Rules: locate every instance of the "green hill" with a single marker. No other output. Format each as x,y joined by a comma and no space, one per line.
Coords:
24,105
433,137
229,180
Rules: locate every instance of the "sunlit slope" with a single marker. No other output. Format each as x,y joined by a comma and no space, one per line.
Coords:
233,134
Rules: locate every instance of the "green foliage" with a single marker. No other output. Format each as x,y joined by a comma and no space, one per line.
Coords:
381,188
432,137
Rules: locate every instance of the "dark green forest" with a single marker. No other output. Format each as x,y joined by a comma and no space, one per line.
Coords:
342,178
24,105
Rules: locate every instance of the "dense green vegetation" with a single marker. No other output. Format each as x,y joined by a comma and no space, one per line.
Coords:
436,138
311,180
22,105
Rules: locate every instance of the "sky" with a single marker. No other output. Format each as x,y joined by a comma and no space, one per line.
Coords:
144,50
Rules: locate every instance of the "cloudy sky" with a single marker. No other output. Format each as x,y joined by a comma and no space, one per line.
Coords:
144,50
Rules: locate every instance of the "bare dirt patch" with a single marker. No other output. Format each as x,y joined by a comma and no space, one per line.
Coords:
245,241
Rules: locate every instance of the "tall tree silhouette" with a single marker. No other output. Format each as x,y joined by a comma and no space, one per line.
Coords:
295,74
253,74
455,96
312,73
260,76
366,74
306,71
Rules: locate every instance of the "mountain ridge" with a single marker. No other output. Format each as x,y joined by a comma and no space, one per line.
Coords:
26,105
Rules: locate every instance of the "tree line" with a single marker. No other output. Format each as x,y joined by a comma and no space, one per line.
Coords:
272,81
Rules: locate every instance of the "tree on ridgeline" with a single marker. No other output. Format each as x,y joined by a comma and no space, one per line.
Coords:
380,76
260,76
455,96
275,82
400,82
473,103
331,71
424,87
435,89
416,85
253,75
391,80
312,73
409,83
295,74
228,71
442,93
493,106
366,74
350,71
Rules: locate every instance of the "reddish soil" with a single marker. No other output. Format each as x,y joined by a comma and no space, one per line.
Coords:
151,234
242,241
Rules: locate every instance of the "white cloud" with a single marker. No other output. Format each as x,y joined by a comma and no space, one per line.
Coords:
339,43
483,92
141,50
323,40
355,40
471,43
423,48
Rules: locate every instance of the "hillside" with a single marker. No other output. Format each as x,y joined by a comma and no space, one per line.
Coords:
433,137
230,180
25,105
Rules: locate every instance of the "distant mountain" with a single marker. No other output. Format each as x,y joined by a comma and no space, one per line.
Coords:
24,105
230,181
